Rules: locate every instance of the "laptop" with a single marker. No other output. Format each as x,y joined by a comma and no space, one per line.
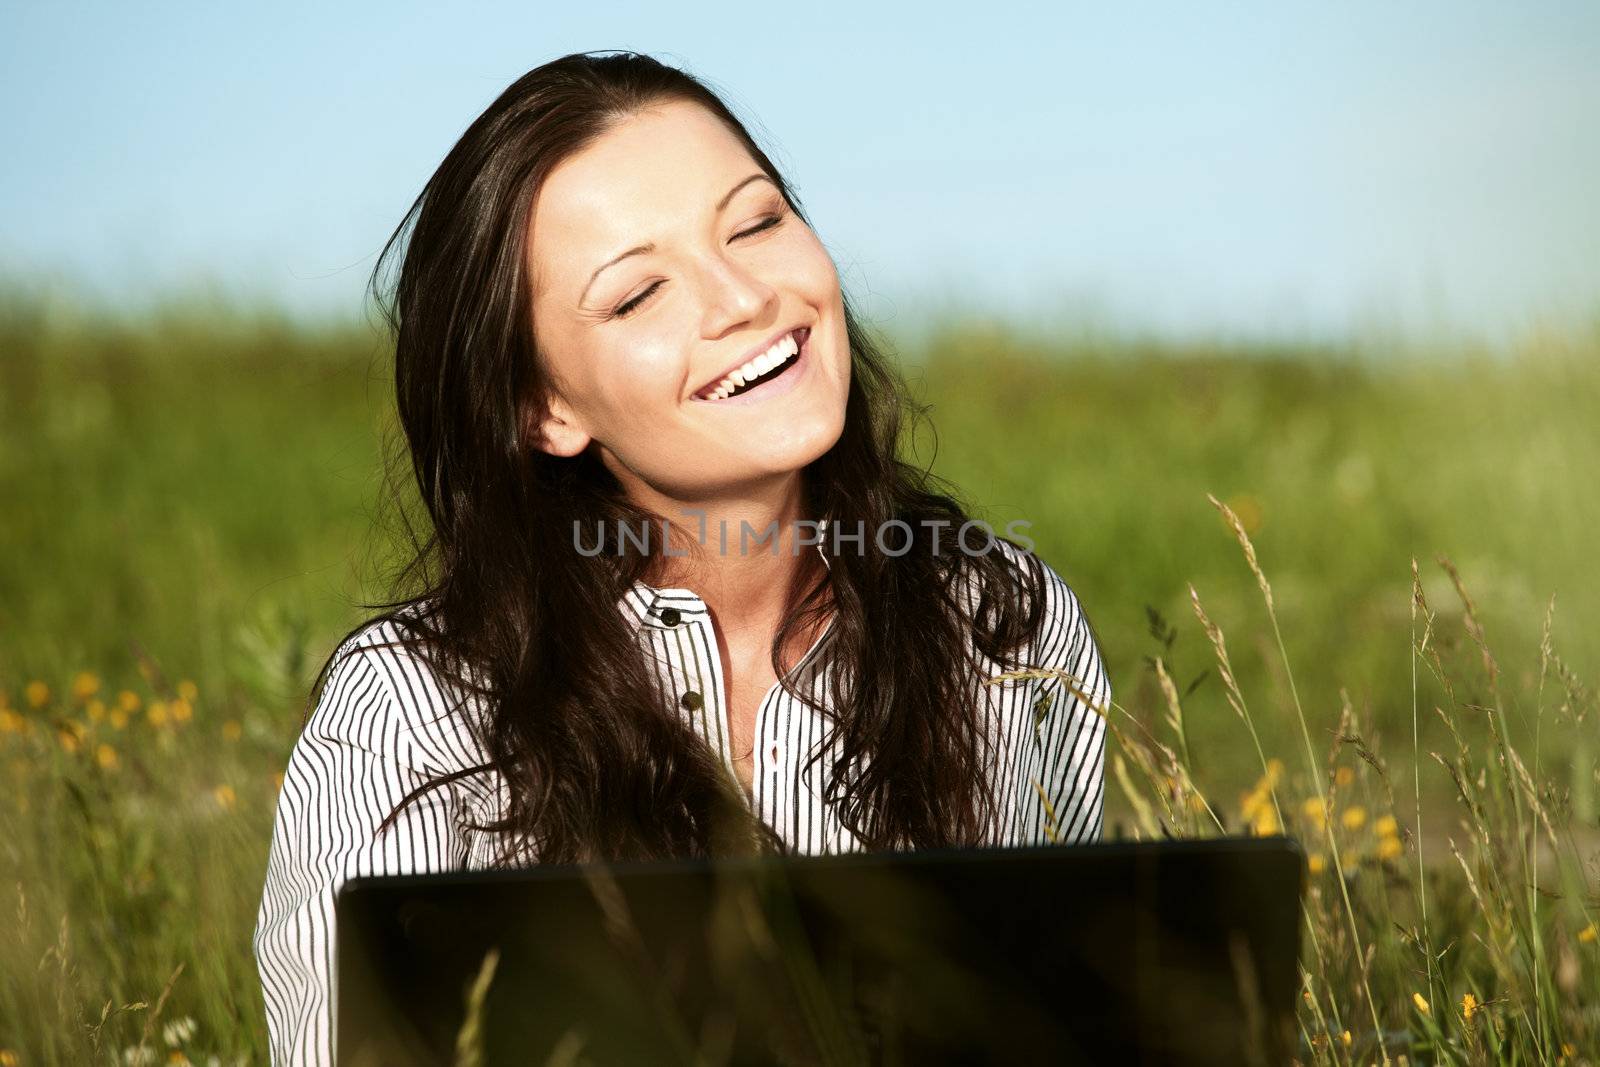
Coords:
1171,952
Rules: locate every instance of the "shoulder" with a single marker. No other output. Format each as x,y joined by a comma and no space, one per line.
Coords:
1064,620
1065,639
383,691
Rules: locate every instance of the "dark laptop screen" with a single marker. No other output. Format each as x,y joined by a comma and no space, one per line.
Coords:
1173,952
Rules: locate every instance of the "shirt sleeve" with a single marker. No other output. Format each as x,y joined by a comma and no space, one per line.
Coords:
353,762
1066,754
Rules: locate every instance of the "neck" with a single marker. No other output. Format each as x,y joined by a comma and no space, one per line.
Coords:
748,582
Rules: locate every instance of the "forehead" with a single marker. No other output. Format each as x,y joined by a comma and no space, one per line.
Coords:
658,168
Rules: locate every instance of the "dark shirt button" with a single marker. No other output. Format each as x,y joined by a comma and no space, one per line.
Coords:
670,616
692,701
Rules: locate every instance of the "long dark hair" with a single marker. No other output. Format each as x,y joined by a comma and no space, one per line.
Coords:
597,763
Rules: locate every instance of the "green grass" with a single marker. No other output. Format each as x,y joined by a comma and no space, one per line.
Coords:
191,497
1343,468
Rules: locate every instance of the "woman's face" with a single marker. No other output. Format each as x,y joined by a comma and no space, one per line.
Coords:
631,339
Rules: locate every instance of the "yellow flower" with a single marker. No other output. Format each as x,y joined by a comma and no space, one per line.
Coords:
1345,1039
188,691
1385,826
1389,847
11,722
1589,933
38,694
1315,809
1274,770
1354,818
84,685
1469,1006
1266,822
96,709
69,740
232,730
1315,863
106,756
1343,776
8,1058
156,713
182,710
119,718
1422,1005
225,796
1251,802
128,700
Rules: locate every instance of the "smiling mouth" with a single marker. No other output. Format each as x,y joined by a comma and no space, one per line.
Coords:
710,392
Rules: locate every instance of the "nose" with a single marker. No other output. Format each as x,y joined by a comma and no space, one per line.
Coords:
733,295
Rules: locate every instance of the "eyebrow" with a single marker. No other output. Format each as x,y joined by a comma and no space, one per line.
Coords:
721,204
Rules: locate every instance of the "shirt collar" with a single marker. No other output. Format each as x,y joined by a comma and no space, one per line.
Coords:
664,608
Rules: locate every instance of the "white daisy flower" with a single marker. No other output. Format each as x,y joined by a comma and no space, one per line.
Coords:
178,1031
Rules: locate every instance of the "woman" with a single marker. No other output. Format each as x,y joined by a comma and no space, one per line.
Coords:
619,347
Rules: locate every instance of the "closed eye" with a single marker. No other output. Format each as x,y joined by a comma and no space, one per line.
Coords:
627,308
766,224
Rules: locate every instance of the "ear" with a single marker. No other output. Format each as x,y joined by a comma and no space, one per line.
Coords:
556,431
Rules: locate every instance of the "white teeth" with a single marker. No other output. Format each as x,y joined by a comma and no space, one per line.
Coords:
756,367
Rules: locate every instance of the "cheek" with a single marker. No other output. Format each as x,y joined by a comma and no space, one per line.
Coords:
816,274
633,374
818,281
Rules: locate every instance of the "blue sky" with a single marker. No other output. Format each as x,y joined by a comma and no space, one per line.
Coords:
1220,169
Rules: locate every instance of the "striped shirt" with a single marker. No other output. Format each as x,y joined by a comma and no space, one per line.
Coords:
381,728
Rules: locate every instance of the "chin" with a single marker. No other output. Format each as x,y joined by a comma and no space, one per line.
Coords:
812,441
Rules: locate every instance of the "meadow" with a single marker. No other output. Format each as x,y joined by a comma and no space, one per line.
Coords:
1380,636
